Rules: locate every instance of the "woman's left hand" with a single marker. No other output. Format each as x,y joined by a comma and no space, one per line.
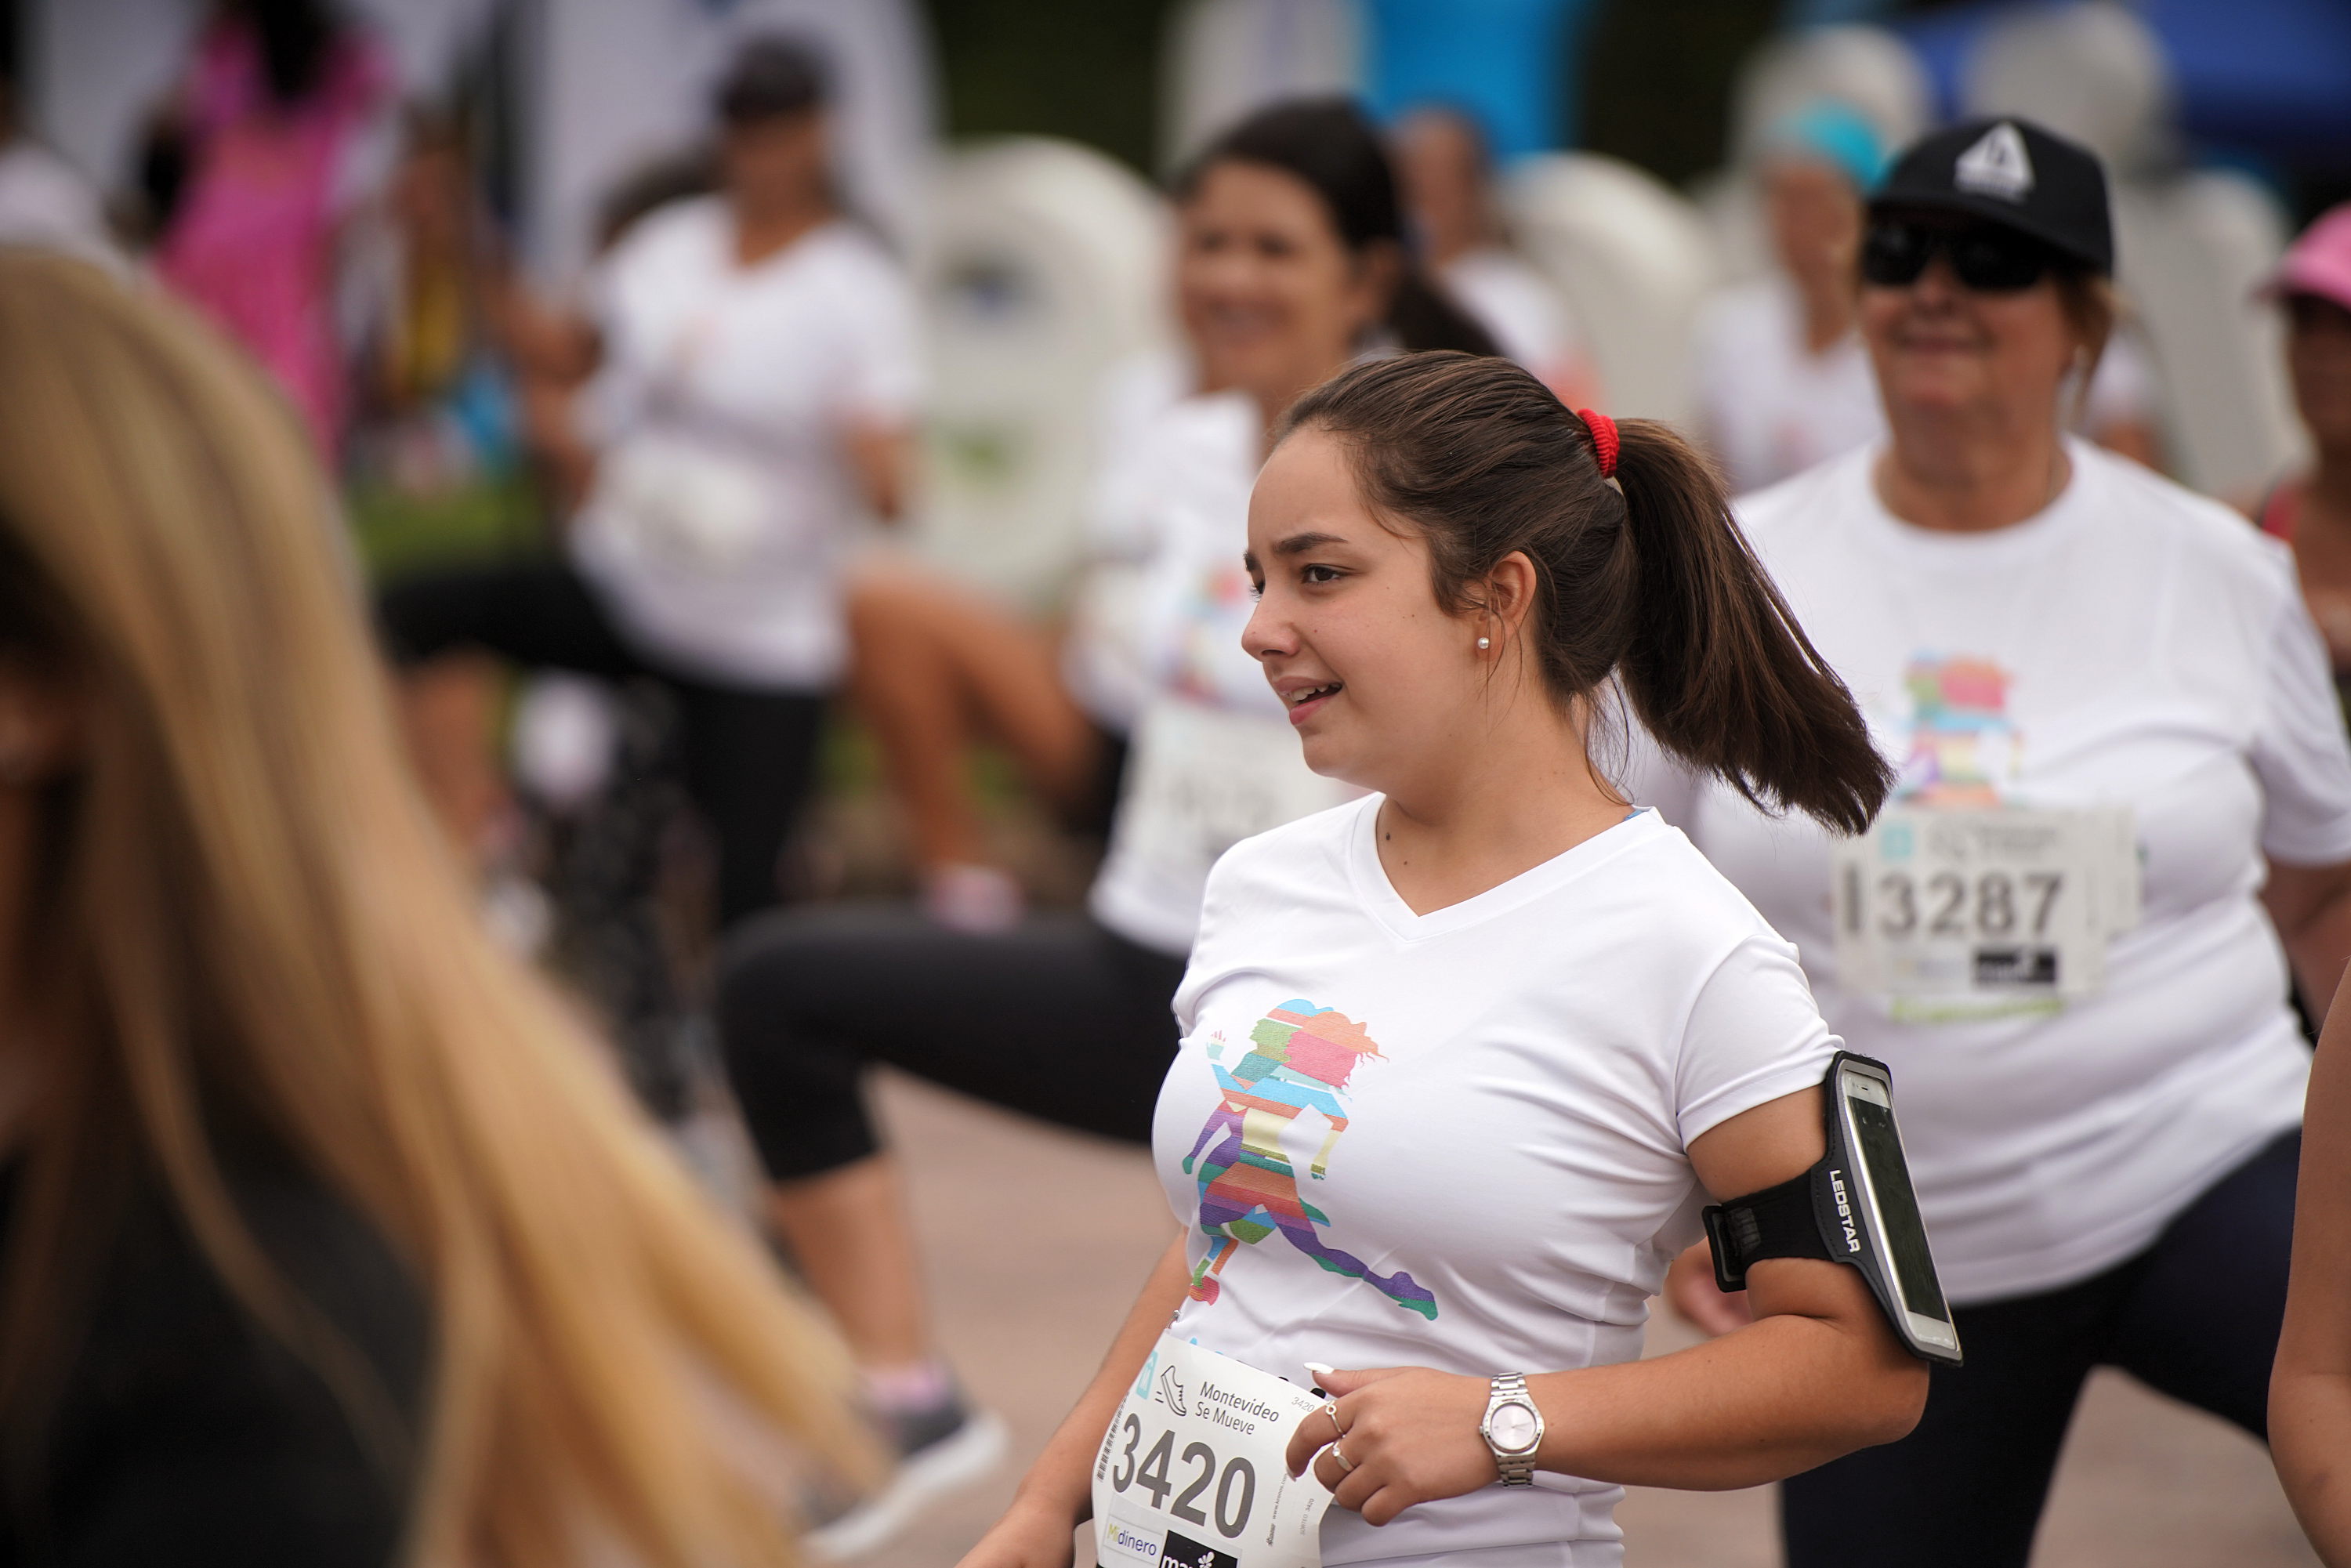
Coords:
1410,1436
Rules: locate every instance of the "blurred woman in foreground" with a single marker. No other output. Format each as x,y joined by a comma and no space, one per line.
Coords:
326,1238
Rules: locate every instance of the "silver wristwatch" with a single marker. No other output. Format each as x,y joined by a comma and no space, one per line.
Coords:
1513,1429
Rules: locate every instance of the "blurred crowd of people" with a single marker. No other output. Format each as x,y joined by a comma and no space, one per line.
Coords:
288,1104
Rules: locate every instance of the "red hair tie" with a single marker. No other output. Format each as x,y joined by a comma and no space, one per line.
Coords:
1602,430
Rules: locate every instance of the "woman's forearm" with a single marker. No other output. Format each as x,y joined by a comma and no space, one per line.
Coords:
2310,1391
1783,1395
2310,1439
1057,1480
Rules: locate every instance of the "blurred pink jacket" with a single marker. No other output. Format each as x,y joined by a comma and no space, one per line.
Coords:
253,243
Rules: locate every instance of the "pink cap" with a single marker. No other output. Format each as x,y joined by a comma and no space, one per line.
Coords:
2320,261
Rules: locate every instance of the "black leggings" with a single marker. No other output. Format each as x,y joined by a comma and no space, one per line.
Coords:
750,755
2195,1316
1058,1019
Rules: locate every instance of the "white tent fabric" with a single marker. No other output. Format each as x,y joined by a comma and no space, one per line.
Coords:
1635,260
2190,246
610,88
1044,268
95,69
1225,58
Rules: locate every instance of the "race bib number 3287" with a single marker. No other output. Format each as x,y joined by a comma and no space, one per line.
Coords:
1191,1473
1953,913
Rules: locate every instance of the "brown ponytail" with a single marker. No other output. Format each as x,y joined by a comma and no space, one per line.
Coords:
1647,579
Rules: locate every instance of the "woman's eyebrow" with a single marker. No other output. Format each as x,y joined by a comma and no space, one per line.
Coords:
1299,544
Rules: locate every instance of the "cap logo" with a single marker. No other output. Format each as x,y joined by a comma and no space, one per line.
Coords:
1996,166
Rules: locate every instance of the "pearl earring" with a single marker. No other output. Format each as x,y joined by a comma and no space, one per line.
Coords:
1484,644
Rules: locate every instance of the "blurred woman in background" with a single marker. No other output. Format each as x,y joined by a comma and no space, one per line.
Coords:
328,1237
278,131
2312,511
1783,379
1447,174
758,376
1290,262
2121,836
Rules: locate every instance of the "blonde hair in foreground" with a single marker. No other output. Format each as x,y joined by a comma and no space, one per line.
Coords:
248,906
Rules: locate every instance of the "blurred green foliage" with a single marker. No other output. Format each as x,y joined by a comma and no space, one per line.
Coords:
1658,78
1086,69
398,533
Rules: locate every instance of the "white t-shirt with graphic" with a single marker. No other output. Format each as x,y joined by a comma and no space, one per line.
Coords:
724,501
1458,1140
1215,758
2135,645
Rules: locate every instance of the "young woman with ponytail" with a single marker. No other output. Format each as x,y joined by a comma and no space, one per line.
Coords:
1290,262
1534,1026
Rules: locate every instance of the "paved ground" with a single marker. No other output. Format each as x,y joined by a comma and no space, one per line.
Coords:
1038,1239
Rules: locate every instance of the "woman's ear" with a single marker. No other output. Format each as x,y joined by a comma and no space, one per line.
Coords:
1509,595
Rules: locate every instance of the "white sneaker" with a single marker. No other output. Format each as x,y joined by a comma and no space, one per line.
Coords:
978,899
941,1452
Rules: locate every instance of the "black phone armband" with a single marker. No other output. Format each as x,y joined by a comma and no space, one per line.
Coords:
1856,1206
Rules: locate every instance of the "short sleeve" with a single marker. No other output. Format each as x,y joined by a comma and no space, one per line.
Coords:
1754,1034
2299,751
884,379
610,295
1216,906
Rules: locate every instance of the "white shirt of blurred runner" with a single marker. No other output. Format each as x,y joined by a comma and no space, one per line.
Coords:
1215,758
1528,318
724,501
1770,409
1485,1113
1104,661
2133,645
45,204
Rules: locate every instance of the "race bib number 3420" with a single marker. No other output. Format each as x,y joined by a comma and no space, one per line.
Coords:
1954,914
1191,1473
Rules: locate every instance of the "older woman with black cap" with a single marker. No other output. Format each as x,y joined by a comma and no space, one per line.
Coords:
757,370
2123,829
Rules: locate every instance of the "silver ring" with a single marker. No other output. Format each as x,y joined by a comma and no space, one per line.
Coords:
1346,1465
1331,1408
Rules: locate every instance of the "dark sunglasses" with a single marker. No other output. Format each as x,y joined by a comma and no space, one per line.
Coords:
1988,260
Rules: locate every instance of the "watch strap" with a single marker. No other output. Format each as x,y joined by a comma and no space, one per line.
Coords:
1510,1388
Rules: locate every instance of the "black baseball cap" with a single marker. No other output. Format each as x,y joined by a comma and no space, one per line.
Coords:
2011,173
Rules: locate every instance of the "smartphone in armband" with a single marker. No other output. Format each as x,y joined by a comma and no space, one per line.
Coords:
1856,1206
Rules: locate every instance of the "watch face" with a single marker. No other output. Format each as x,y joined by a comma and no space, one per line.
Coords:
1513,1427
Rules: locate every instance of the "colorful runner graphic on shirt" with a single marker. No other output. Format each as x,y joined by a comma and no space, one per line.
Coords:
1300,1058
1962,745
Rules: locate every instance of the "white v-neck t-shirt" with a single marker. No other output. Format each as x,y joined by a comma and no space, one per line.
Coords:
2135,645
724,503
1508,1087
